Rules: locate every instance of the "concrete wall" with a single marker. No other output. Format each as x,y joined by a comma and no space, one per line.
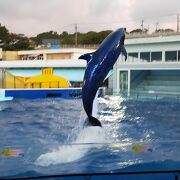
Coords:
10,55
59,56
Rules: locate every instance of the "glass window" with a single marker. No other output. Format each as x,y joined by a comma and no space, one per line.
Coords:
171,56
132,57
178,55
145,56
156,56
123,81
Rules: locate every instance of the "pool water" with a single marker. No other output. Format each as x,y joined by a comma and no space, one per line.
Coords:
137,135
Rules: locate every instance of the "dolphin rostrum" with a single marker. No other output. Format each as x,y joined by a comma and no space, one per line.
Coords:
99,63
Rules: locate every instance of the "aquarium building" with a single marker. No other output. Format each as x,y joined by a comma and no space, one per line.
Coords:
152,66
65,63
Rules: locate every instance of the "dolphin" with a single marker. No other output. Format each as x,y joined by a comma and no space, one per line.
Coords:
99,63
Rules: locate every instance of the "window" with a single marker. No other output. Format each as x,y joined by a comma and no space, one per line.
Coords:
178,55
123,84
171,56
145,56
132,57
156,56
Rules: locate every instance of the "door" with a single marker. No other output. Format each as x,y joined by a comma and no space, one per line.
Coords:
123,84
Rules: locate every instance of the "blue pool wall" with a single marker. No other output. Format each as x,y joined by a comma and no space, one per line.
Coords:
47,93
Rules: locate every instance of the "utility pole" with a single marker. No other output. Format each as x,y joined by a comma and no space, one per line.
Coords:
76,27
177,22
142,25
157,23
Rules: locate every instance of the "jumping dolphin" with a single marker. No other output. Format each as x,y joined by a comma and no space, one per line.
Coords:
99,63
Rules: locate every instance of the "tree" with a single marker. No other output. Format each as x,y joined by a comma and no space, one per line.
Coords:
17,42
4,35
164,31
45,35
10,41
138,31
94,37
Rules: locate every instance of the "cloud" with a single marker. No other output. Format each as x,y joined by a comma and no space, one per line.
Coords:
34,16
155,11
144,9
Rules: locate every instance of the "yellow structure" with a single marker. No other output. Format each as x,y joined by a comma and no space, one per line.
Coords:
47,80
13,82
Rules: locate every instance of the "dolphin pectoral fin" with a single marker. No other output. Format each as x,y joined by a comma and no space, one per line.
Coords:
124,52
109,74
86,57
94,122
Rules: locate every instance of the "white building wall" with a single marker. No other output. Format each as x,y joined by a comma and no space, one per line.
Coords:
155,44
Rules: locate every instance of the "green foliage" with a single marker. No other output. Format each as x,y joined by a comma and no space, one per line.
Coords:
138,31
94,37
164,31
91,37
45,35
4,33
11,41
69,39
66,38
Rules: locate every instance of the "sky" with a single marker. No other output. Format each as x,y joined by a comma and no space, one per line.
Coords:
31,17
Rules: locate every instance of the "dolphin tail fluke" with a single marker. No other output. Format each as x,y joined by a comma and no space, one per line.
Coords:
92,121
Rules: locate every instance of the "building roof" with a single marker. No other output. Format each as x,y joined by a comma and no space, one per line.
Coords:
54,51
68,63
149,40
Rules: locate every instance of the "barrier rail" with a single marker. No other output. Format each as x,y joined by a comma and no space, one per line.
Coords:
150,95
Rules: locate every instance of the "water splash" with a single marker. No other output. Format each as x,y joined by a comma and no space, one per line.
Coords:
87,138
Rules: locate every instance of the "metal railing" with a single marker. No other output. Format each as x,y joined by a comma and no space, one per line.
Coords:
156,95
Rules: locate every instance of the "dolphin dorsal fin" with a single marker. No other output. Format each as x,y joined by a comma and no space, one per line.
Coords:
86,57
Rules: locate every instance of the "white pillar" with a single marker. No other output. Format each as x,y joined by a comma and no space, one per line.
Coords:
115,78
44,56
129,81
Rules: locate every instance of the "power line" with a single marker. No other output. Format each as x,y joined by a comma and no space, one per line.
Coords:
120,22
